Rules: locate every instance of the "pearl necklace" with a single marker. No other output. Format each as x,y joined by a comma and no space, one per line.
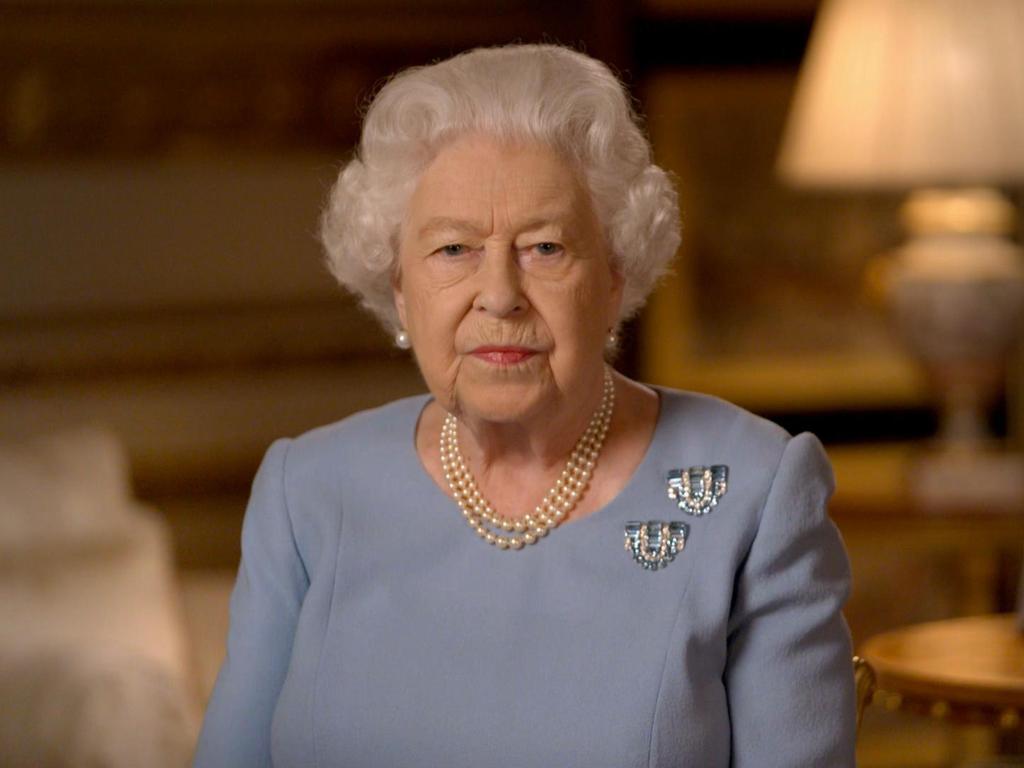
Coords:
557,502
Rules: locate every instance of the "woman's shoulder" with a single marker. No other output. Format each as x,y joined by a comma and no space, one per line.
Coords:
718,420
370,421
359,439
711,430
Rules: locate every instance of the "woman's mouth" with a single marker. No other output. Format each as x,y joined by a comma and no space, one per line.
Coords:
503,355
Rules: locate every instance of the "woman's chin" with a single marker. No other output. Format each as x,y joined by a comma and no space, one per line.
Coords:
504,399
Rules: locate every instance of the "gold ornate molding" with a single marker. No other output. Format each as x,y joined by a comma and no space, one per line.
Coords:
101,78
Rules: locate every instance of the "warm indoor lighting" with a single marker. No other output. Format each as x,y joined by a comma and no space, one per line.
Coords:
910,93
928,96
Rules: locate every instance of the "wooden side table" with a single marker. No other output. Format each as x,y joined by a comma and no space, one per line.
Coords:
968,670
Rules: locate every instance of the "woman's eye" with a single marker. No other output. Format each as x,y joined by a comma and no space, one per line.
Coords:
547,249
454,249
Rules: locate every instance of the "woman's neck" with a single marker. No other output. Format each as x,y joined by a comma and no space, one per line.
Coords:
542,442
514,466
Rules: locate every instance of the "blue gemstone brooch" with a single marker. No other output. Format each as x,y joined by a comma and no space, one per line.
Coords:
655,544
696,490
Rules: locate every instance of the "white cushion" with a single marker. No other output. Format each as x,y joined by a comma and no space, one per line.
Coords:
120,592
61,491
69,706
93,665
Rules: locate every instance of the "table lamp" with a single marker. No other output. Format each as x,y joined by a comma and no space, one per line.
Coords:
927,96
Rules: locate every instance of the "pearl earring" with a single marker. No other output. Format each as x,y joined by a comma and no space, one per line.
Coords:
611,340
402,339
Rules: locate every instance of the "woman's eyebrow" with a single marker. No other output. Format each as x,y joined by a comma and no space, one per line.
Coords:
542,222
448,224
435,224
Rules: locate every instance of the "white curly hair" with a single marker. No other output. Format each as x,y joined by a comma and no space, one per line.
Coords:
545,93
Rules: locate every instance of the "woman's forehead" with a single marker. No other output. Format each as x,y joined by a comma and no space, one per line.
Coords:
477,180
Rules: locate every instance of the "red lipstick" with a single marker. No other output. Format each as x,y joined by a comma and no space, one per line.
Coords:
503,355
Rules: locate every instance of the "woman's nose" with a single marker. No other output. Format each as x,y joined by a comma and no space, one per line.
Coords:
500,290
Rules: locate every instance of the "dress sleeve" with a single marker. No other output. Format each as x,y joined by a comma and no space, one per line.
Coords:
789,676
265,603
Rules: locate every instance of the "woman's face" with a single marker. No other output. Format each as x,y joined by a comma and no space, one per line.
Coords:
504,283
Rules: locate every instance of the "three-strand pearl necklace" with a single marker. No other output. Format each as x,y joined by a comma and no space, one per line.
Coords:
513,533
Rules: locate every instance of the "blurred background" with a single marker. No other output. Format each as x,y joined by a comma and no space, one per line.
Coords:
164,315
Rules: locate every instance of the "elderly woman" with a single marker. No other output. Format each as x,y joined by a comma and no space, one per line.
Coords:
540,562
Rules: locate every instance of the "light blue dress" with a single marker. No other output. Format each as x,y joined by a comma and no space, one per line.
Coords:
370,626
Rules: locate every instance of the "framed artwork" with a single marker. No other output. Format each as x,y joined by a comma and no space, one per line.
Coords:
773,301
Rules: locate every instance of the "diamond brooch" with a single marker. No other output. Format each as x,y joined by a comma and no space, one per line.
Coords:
655,544
696,490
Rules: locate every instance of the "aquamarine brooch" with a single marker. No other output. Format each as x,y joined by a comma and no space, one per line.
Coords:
655,544
696,490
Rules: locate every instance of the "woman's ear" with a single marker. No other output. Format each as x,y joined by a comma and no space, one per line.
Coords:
399,296
618,286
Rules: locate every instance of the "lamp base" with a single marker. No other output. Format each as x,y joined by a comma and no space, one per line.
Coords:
956,291
984,480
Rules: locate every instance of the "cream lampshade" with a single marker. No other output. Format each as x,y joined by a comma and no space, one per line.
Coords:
910,93
928,96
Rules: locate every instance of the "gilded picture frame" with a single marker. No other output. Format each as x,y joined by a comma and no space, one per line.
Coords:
771,302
